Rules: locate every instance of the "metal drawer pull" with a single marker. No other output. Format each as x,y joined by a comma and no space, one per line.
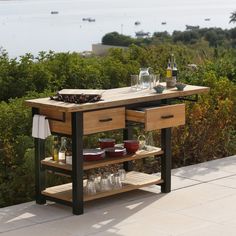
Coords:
106,120
167,117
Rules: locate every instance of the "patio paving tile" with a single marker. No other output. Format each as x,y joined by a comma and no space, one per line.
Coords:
36,230
226,182
10,222
213,230
227,164
200,173
218,211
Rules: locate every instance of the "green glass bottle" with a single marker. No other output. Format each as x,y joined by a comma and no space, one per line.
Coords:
55,151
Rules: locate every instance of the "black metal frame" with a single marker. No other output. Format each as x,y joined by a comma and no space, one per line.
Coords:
166,160
77,163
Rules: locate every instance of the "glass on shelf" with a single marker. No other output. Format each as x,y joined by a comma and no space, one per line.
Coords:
91,188
117,183
122,174
142,142
105,183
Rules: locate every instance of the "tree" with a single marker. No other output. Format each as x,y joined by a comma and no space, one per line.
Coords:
233,17
117,39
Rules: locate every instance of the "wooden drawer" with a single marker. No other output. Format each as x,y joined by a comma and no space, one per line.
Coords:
158,117
94,121
104,120
59,122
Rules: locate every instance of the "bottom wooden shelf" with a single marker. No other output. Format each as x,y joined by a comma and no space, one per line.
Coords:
134,180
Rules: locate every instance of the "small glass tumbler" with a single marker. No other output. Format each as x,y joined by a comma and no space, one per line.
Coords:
122,174
111,178
134,82
91,189
98,183
117,184
154,80
142,142
105,183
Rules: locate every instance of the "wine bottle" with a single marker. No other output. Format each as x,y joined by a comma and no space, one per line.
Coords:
169,70
175,71
62,150
55,148
69,152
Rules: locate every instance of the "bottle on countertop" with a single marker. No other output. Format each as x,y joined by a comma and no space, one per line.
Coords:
171,78
169,70
62,150
174,70
55,151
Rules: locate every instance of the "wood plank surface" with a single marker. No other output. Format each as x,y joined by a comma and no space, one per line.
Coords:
140,154
134,180
116,97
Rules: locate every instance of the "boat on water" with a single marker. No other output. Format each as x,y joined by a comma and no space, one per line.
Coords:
54,12
141,33
137,23
207,19
163,23
192,27
89,19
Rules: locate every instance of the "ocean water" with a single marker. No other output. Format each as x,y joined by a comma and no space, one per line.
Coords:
28,25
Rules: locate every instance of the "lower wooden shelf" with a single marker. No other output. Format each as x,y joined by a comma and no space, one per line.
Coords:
134,180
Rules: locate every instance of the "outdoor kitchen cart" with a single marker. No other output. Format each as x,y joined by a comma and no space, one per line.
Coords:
118,109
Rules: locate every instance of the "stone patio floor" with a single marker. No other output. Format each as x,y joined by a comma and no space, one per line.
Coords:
202,202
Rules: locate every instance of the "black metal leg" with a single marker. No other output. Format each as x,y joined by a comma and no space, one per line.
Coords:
128,134
39,145
77,163
166,160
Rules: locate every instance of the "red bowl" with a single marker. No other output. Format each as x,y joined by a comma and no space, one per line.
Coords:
115,152
93,154
106,142
131,146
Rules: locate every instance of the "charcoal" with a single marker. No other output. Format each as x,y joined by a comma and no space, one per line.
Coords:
76,98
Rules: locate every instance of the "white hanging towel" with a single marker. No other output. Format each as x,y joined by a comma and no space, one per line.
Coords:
35,127
40,127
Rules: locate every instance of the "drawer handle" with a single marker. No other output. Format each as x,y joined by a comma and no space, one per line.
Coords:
105,120
167,117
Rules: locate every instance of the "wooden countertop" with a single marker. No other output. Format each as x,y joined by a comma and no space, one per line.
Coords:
114,97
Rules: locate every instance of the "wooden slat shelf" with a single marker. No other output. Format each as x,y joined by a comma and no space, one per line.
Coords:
134,180
106,161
